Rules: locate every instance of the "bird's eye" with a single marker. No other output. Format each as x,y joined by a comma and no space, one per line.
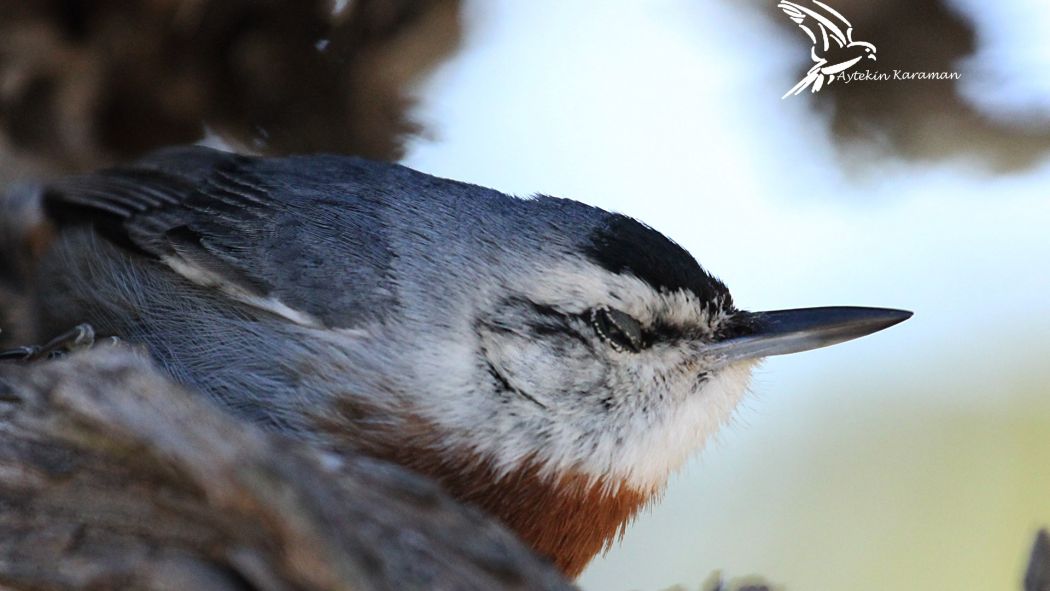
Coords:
618,329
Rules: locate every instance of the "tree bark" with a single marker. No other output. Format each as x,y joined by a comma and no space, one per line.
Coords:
113,477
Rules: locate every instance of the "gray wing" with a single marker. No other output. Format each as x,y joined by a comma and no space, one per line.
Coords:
298,237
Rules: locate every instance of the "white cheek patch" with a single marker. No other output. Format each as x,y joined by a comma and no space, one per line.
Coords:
637,449
524,364
655,451
622,418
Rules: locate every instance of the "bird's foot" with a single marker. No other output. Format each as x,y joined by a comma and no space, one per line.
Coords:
78,338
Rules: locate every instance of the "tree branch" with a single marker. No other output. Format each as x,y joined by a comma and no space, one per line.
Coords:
113,477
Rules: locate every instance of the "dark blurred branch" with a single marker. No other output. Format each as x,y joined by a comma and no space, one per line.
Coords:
87,83
1037,577
112,477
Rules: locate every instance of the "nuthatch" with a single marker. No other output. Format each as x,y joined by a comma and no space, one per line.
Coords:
548,361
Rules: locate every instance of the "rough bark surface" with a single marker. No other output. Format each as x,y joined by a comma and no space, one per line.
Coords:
112,477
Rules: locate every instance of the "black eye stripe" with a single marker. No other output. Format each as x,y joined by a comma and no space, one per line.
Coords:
618,329
603,330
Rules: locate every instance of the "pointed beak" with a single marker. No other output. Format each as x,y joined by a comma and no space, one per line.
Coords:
872,56
780,332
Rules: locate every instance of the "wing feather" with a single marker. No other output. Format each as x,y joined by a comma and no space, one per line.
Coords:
230,223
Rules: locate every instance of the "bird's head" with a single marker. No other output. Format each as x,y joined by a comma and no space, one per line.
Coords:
568,360
603,349
600,351
867,49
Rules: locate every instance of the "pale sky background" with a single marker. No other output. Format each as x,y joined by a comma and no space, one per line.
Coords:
918,457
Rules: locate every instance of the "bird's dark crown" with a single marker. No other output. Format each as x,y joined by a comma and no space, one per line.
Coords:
624,245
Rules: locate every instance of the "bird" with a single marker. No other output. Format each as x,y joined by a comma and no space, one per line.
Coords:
834,51
546,361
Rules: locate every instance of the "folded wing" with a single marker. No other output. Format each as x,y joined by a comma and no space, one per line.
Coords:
214,219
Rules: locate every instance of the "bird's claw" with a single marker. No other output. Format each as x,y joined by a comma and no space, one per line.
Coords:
19,353
76,339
